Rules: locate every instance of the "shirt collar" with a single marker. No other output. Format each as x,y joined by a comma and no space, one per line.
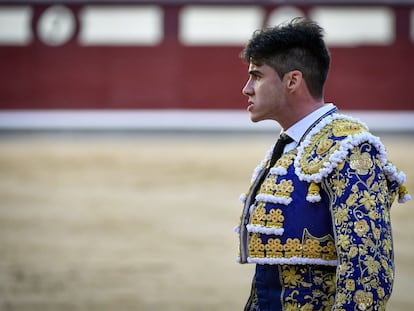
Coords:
297,130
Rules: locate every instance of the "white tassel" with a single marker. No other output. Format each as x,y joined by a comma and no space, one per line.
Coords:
404,199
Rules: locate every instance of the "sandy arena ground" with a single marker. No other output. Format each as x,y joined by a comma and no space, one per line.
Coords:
142,222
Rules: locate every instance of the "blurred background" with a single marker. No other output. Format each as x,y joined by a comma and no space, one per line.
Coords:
124,143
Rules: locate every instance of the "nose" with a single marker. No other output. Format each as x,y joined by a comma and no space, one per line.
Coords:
248,88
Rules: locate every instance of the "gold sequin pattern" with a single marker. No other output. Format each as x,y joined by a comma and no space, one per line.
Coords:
273,219
323,144
308,247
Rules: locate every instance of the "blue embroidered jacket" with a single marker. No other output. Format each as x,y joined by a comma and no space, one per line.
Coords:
319,226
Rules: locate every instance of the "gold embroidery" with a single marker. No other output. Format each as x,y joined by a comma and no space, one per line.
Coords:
291,278
322,145
309,247
361,162
341,215
293,248
259,216
282,189
347,127
256,247
353,197
361,219
350,284
314,247
339,185
274,219
353,252
287,159
368,200
372,265
268,186
343,241
361,227
307,288
274,248
363,300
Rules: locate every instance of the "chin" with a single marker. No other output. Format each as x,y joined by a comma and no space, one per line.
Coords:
255,119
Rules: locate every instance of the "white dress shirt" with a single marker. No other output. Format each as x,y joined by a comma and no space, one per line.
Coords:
297,130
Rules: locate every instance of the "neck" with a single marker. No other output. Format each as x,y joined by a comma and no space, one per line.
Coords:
299,110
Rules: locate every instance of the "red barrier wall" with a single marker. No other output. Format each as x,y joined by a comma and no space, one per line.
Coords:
173,76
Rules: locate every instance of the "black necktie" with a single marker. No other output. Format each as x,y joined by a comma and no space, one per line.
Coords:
277,153
279,147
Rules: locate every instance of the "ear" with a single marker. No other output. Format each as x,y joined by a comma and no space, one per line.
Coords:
294,80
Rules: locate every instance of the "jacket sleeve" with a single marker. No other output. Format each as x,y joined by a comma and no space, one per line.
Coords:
361,197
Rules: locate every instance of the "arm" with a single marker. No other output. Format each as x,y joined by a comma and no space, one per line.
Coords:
360,207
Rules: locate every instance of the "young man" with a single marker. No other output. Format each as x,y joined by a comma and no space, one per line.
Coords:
316,219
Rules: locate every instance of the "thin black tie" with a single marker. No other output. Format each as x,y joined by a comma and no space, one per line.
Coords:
279,147
277,153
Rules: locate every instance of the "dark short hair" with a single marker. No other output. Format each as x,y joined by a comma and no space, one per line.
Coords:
297,45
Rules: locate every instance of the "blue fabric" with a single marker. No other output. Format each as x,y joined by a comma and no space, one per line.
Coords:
309,285
320,229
